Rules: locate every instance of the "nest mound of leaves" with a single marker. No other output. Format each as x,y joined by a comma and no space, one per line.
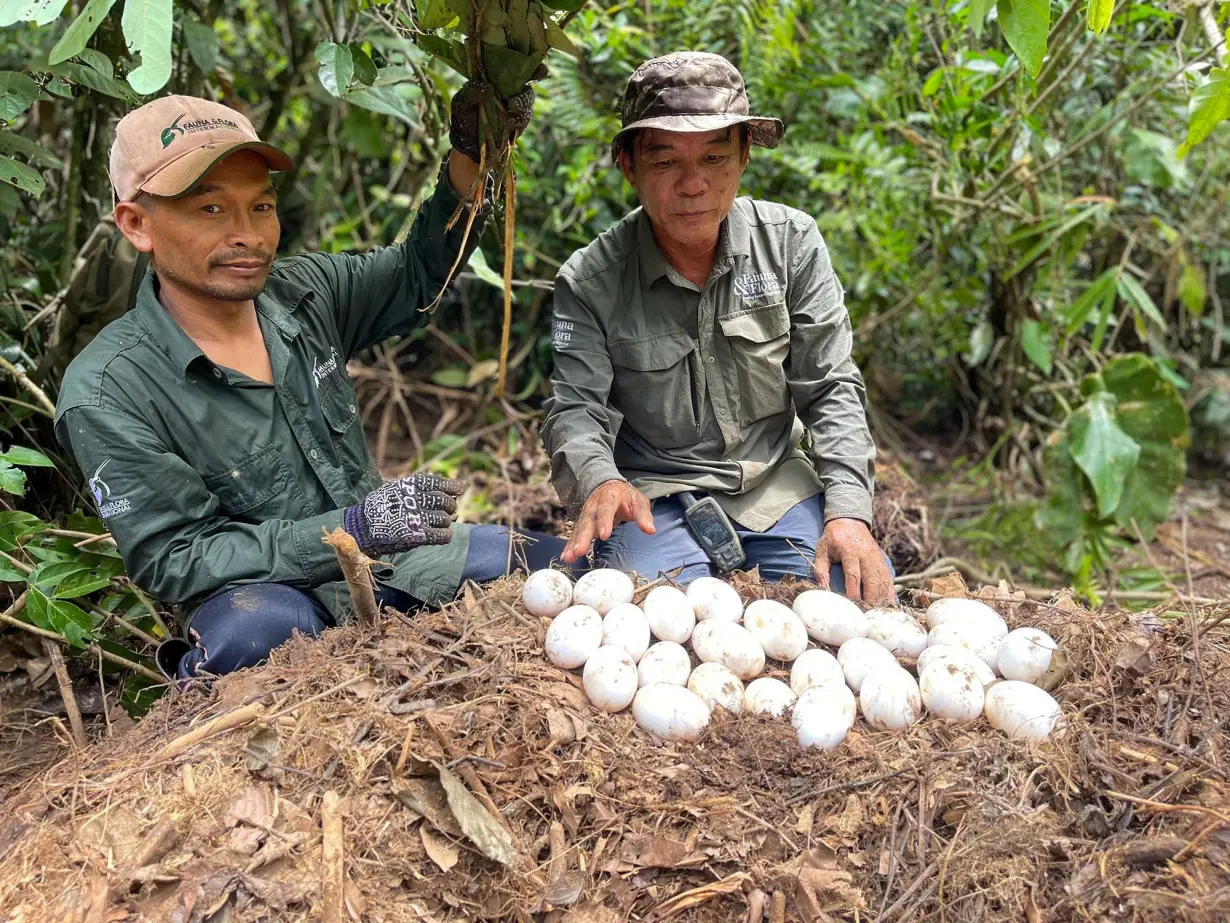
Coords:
442,769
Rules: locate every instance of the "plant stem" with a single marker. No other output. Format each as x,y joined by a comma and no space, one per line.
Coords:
510,233
22,379
66,692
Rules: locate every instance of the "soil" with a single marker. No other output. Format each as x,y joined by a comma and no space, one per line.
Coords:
441,769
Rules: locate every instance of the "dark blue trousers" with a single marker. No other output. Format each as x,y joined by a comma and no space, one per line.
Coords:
239,627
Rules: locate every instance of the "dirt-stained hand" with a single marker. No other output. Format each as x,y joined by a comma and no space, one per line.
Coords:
848,542
611,503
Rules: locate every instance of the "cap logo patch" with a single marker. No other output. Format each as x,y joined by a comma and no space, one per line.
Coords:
188,128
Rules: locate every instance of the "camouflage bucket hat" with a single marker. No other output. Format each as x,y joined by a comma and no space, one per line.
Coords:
691,91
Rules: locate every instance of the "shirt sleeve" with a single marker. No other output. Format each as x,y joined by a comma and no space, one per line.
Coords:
579,426
175,542
827,388
383,292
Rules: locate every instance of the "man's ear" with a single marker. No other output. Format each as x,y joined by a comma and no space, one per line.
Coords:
625,165
134,221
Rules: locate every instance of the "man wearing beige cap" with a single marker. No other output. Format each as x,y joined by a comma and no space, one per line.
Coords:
215,423
696,343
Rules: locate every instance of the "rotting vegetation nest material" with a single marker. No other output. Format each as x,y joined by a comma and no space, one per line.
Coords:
441,769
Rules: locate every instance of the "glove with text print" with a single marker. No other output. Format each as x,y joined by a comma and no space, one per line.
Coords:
403,514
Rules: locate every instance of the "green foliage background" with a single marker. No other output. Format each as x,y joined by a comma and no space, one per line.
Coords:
1025,200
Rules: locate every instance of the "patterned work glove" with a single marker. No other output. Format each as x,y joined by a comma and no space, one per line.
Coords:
463,131
403,514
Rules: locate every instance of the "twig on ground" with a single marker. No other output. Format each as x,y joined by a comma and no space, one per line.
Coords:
333,864
66,692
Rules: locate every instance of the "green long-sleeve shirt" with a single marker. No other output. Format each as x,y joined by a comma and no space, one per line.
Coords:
673,387
209,479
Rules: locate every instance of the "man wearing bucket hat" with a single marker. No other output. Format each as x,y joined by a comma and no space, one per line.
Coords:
696,342
215,422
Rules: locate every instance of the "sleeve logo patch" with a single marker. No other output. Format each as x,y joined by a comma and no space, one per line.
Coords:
561,333
107,507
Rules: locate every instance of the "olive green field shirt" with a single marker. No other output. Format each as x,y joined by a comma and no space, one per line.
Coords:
676,388
209,479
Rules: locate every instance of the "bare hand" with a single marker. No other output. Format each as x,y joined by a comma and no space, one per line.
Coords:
611,503
848,542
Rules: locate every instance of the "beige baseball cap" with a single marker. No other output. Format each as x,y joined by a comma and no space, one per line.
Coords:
167,145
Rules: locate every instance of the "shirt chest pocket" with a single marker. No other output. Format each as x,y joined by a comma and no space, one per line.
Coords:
255,489
340,409
759,342
654,388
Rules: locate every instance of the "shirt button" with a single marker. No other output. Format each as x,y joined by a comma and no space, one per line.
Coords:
722,414
314,453
351,408
217,373
711,360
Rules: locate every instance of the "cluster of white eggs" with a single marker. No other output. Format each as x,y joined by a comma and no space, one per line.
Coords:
967,662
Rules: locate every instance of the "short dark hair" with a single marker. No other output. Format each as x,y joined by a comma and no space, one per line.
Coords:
629,141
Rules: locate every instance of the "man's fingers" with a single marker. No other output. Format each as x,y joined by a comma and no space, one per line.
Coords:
439,536
437,519
582,538
877,581
822,565
854,574
439,500
642,513
604,517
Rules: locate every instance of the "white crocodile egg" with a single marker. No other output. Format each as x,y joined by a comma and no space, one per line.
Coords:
665,663
890,699
1021,710
603,589
969,610
1025,654
815,668
859,656
712,598
829,617
610,679
670,712
767,696
573,637
981,639
718,641
547,593
896,630
626,626
954,653
952,690
718,687
823,715
670,614
779,631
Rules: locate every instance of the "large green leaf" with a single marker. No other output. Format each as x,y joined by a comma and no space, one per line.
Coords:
1150,411
31,458
92,78
1191,288
1025,24
17,94
387,101
364,70
452,53
74,39
433,14
1098,14
12,480
81,584
73,624
13,143
978,10
202,42
94,58
41,12
1036,342
147,31
47,575
1209,107
21,176
1102,450
509,71
336,67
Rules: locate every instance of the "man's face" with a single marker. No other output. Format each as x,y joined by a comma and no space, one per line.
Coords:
686,181
219,240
